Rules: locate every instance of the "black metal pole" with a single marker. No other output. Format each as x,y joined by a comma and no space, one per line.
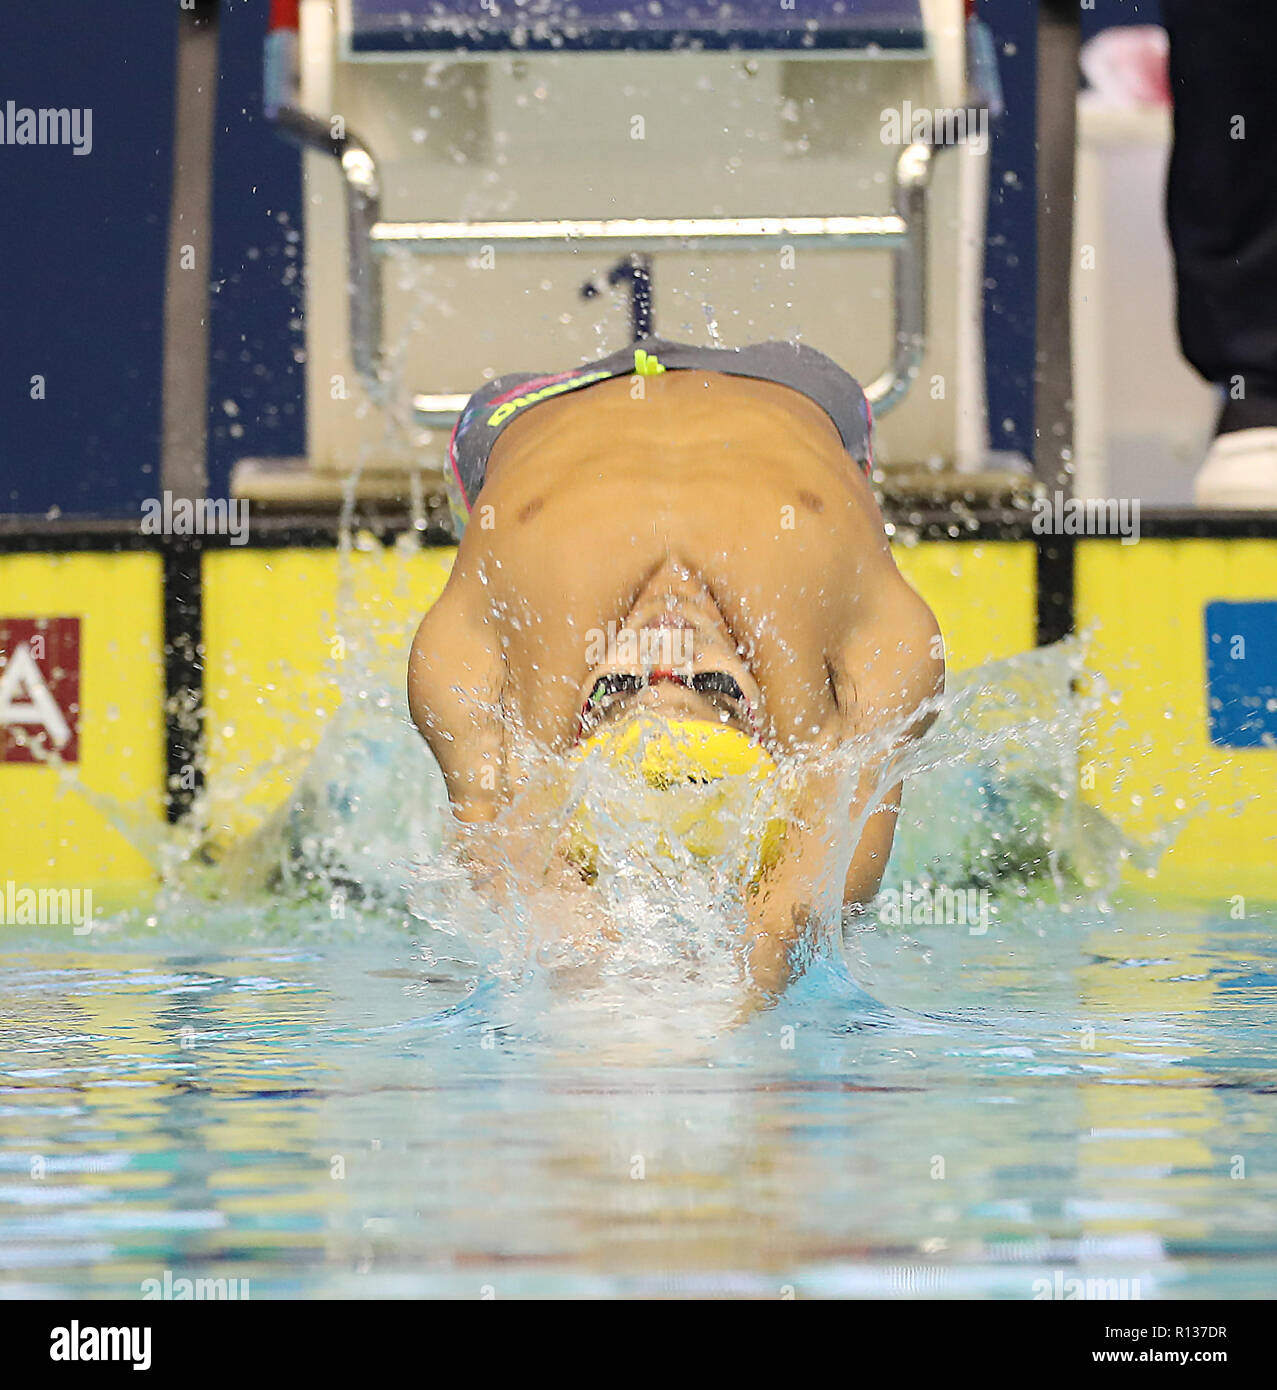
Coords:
641,317
184,466
183,674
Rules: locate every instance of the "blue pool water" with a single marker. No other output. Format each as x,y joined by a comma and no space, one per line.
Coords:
1081,1096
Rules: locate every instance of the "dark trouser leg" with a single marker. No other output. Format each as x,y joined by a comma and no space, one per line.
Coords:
1222,198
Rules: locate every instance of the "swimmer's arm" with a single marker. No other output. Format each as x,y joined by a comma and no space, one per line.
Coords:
455,678
886,677
782,906
456,675
889,677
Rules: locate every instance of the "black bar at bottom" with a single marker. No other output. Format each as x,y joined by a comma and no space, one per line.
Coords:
323,1341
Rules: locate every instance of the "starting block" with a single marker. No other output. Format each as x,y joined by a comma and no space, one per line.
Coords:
495,187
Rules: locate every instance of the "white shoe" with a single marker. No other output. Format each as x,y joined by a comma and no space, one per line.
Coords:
1240,471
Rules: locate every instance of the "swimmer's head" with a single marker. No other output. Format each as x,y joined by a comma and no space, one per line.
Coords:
670,704
673,659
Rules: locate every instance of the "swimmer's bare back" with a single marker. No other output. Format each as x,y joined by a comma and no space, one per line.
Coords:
737,487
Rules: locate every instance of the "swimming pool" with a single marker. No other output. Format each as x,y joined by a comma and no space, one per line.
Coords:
287,1074
1070,1096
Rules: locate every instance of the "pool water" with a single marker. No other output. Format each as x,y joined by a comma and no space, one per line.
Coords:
326,1071
1067,1096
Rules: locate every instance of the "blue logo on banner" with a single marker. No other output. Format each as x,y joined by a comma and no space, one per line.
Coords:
1241,674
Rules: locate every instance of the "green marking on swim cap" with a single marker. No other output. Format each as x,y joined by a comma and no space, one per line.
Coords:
646,364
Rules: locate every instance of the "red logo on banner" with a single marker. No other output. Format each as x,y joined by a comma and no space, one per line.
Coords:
39,689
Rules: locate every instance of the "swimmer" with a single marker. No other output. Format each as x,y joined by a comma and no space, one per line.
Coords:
685,535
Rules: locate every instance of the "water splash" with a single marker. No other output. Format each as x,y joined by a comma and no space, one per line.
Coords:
991,801
365,842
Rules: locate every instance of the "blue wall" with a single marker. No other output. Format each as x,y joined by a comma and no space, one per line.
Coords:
83,246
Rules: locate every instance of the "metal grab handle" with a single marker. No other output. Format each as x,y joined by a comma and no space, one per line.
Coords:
363,212
635,270
655,233
913,176
904,232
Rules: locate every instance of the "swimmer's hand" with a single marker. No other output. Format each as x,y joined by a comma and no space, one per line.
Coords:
527,865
